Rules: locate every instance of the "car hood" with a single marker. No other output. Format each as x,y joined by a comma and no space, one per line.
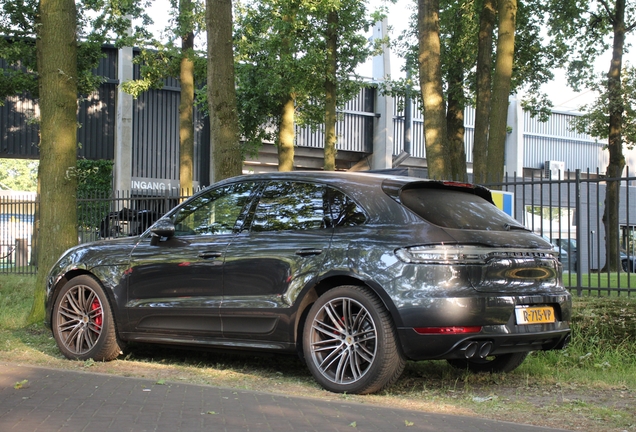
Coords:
90,255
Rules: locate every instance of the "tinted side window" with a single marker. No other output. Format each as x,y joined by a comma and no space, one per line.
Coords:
215,212
344,211
290,206
456,209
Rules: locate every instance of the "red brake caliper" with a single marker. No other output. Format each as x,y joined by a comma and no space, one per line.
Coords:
97,319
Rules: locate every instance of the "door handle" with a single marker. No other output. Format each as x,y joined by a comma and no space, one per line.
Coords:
210,254
308,252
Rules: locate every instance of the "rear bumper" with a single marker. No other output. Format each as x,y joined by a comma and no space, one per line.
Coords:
491,340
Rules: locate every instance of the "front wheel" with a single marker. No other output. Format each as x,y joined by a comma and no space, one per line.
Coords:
350,343
82,321
493,364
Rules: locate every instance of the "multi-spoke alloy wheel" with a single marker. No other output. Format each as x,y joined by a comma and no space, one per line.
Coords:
82,321
349,342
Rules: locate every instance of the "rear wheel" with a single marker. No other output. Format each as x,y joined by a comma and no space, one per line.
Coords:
350,343
82,321
493,364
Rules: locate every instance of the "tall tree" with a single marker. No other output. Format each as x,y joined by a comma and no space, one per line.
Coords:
289,73
54,69
345,48
585,28
57,67
507,13
161,60
483,83
466,30
430,71
226,155
331,90
186,104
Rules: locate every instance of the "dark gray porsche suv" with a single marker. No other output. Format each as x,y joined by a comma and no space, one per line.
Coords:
356,272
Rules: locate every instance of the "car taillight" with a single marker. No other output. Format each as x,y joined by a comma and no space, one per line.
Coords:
463,254
443,254
448,330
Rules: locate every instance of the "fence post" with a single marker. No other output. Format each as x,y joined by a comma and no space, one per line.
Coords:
577,213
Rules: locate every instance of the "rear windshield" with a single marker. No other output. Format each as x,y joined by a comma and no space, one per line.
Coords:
456,209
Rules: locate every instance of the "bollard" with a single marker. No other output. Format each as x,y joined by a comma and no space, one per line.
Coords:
21,253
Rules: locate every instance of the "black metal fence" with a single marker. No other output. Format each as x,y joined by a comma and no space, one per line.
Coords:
567,211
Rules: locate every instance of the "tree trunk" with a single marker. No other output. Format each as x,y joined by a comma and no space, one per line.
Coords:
226,156
186,114
615,142
286,136
331,91
483,91
456,105
435,134
56,47
501,89
455,127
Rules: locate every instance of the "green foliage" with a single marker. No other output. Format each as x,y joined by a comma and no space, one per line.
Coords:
19,174
159,60
596,118
94,181
99,22
280,50
535,57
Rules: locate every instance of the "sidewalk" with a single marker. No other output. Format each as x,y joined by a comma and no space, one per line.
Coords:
70,401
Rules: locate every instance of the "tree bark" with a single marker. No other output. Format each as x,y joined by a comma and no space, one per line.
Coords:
186,113
286,136
226,156
501,89
483,91
56,47
429,57
615,142
456,105
331,91
455,126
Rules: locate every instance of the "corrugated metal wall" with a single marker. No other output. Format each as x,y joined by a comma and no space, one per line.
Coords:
418,147
18,129
354,127
556,140
96,119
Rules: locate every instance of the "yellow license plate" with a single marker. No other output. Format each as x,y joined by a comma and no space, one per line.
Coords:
535,315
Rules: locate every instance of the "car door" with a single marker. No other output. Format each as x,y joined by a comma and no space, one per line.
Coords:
175,286
268,265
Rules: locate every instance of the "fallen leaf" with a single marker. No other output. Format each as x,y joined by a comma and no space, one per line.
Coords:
408,423
20,384
353,424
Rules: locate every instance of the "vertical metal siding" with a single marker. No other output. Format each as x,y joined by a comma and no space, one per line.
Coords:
354,127
156,135
557,140
20,135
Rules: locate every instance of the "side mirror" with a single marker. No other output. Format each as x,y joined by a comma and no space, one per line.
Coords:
162,228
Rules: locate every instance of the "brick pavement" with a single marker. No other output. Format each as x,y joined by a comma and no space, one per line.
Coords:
61,400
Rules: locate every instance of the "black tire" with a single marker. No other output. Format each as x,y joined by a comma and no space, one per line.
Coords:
350,343
82,321
492,364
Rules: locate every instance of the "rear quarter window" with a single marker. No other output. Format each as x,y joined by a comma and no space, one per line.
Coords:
452,208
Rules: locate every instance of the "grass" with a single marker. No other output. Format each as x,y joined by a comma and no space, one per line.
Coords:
589,386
